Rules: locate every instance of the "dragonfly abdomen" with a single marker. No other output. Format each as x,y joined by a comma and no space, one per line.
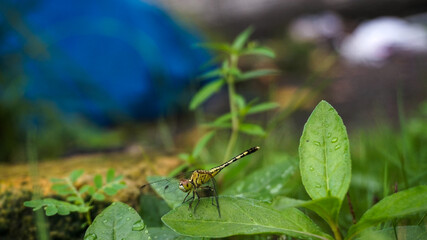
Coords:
214,171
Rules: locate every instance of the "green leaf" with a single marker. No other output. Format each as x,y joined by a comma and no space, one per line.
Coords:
84,189
224,118
241,216
262,107
205,92
325,163
51,210
98,181
118,221
110,175
91,190
35,204
265,183
98,196
110,191
400,204
202,143
62,189
327,208
73,199
216,73
251,129
257,73
260,51
242,38
74,175
118,186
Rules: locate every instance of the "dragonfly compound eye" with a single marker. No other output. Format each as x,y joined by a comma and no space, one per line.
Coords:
185,186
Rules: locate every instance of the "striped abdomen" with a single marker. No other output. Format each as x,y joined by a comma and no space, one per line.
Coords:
214,171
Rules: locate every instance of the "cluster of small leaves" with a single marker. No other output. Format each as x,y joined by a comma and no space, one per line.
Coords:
75,197
228,73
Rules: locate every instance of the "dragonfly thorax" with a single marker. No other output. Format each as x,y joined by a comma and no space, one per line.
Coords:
185,185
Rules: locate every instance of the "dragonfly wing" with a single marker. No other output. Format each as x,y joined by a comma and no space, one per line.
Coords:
168,189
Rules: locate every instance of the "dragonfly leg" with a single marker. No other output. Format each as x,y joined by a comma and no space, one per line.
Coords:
192,199
198,200
186,197
216,196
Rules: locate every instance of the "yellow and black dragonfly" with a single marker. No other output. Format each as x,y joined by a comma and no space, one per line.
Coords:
199,179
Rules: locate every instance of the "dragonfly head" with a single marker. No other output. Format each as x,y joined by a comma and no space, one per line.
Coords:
185,185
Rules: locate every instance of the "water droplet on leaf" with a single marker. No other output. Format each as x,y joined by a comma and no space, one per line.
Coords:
91,236
337,147
316,143
138,226
334,140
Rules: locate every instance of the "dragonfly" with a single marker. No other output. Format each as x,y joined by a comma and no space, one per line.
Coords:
199,179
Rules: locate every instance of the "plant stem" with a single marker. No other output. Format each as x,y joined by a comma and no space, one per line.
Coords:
335,230
233,108
88,218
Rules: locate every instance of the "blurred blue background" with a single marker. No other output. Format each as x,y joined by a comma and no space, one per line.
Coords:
106,60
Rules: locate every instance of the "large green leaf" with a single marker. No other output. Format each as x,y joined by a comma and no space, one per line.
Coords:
400,204
118,221
324,152
241,216
265,183
205,92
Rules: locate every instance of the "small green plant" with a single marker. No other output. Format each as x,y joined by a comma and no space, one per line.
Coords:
78,199
229,74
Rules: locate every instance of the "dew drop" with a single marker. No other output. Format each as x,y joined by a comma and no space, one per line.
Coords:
328,135
105,221
91,236
318,186
312,169
138,226
127,219
334,140
337,147
316,143
191,215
